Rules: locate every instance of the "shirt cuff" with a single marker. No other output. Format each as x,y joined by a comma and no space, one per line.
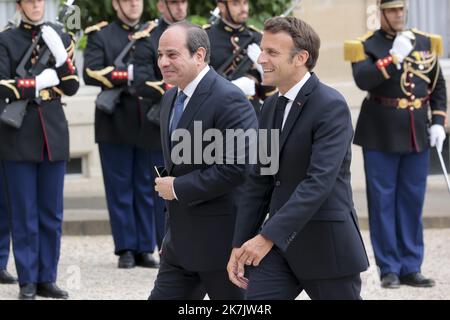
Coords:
173,190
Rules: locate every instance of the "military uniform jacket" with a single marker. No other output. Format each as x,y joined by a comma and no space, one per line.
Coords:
417,87
148,81
44,125
225,40
105,43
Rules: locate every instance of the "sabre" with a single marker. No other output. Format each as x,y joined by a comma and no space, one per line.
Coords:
444,169
294,5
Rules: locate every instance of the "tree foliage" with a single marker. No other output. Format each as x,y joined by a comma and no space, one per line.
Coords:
199,10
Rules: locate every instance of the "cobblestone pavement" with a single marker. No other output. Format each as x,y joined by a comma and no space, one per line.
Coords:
88,270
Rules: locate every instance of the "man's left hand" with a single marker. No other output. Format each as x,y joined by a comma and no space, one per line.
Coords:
164,187
253,251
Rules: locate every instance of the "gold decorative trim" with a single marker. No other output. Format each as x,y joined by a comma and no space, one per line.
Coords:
10,85
385,73
58,91
354,51
96,27
70,78
100,76
393,4
156,85
252,27
439,113
146,32
271,93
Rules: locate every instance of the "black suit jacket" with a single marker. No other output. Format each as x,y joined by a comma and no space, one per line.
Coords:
201,222
309,200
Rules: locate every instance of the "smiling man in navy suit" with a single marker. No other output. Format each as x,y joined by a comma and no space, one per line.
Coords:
311,240
200,195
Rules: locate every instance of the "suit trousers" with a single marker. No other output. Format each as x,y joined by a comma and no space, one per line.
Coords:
176,283
273,279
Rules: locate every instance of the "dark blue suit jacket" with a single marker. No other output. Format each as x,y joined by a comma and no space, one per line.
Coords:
311,214
201,222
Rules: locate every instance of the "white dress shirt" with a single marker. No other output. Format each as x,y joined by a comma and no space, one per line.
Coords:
189,91
292,94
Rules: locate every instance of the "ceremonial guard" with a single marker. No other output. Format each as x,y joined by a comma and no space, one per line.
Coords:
5,243
119,115
148,84
34,146
400,70
235,50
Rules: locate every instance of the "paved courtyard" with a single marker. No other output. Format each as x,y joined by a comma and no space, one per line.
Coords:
88,271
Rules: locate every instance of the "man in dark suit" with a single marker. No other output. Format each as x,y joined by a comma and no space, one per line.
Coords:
147,80
311,239
200,195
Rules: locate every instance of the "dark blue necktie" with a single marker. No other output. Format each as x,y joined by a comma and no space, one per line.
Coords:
279,112
177,111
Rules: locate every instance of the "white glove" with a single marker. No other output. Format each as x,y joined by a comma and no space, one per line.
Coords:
130,74
247,85
47,79
437,136
253,52
401,48
55,44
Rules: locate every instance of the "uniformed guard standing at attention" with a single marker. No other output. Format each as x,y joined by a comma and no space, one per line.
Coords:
401,72
148,84
125,163
34,154
5,243
235,50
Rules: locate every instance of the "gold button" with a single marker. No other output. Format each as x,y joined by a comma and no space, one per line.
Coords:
44,94
403,103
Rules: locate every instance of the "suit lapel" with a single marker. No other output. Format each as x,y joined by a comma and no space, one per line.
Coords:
198,97
297,108
194,105
166,110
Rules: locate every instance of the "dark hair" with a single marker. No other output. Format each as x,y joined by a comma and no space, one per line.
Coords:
303,35
196,38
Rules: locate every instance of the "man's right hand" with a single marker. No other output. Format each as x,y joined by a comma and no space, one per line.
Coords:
46,79
402,47
232,269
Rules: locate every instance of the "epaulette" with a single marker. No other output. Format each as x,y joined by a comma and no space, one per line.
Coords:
354,49
206,26
437,45
252,27
366,37
146,32
96,27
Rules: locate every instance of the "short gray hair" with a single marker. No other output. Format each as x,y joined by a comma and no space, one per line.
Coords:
196,38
